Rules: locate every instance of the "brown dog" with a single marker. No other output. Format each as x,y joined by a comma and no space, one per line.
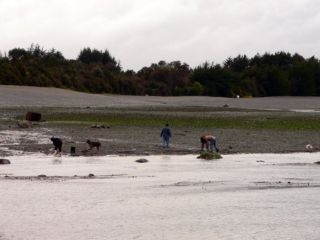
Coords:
96,145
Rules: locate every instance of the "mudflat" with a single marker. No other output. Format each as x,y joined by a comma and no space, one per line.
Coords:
131,125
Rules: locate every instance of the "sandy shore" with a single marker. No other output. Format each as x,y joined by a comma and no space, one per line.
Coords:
22,96
145,140
172,196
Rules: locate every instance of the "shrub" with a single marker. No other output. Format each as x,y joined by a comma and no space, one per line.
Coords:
209,156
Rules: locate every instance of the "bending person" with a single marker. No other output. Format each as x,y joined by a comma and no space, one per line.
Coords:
57,143
210,142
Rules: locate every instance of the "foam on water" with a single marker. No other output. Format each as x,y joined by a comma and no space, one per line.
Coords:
256,196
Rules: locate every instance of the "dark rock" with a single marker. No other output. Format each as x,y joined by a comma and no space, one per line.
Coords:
91,175
4,161
209,156
98,126
33,116
317,163
42,176
142,160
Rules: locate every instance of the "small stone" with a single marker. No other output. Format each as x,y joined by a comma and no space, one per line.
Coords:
142,160
42,176
4,161
91,175
209,156
309,147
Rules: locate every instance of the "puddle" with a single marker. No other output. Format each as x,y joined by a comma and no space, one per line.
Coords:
15,137
305,110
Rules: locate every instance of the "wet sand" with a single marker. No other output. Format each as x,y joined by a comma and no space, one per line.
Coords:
145,140
101,195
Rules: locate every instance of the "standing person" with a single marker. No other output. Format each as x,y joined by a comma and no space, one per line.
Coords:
57,143
166,135
210,142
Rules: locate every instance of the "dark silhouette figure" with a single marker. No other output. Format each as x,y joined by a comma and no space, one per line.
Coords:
57,143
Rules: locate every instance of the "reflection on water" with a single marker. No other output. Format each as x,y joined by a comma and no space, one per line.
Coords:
57,160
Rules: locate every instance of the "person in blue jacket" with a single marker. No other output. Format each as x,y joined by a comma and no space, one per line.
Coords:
166,135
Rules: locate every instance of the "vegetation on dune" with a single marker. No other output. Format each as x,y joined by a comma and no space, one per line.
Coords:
96,71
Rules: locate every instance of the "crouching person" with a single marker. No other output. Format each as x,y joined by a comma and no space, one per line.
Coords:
210,142
57,143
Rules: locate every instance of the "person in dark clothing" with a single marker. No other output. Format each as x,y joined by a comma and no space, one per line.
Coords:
210,143
57,143
166,135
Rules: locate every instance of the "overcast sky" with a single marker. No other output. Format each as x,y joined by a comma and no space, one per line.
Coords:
140,32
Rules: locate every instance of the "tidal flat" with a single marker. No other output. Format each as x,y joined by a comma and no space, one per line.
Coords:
266,185
241,196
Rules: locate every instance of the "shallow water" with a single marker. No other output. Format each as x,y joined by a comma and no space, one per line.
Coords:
16,137
256,196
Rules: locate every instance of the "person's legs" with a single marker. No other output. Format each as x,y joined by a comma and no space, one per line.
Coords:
211,145
214,144
167,142
164,143
55,149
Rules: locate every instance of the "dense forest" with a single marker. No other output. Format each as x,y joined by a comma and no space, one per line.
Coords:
278,74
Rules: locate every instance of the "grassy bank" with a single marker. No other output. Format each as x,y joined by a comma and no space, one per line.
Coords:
224,118
199,120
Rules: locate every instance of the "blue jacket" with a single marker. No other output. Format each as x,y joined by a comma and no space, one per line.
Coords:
165,133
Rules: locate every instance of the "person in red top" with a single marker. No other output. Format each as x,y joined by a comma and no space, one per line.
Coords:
210,142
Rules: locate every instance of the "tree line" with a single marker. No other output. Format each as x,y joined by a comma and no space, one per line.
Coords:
96,71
